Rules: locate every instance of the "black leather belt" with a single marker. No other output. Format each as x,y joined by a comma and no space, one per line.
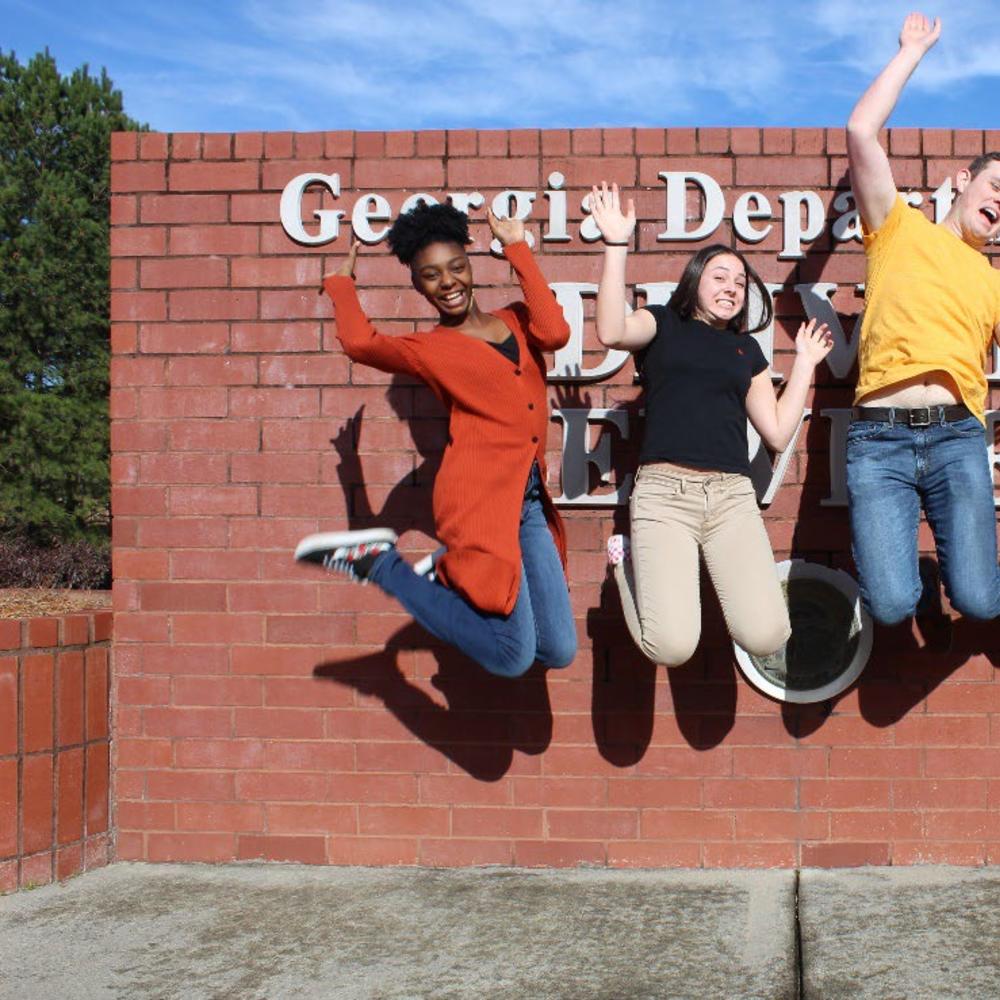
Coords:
920,416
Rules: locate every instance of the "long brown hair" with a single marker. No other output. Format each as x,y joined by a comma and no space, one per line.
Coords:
684,301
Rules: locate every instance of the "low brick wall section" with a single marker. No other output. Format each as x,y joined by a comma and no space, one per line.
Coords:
54,747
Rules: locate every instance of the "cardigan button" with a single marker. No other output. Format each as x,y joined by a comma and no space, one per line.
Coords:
534,440
517,371
531,406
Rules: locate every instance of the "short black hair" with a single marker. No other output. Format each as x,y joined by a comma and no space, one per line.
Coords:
425,224
684,301
980,163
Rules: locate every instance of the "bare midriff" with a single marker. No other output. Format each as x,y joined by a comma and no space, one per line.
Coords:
928,389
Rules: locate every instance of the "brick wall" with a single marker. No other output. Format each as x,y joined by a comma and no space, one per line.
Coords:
265,711
54,747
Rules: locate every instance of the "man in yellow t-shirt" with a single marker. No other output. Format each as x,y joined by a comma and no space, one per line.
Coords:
932,308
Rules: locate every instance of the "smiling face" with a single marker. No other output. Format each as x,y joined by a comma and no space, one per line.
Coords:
977,208
722,290
442,273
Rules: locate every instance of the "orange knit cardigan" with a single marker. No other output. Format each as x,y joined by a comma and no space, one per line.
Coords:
498,418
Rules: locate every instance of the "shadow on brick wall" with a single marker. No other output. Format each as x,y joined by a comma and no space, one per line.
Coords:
484,718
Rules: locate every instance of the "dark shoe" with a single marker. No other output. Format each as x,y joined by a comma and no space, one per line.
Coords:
933,622
352,553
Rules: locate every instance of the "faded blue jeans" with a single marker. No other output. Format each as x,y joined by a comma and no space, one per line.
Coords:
541,625
893,470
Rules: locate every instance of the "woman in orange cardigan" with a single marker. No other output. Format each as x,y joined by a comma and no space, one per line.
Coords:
499,591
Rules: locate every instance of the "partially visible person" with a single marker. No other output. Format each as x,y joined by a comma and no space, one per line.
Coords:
498,592
704,375
932,307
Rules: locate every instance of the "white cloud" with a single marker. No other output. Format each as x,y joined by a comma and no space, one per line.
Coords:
315,64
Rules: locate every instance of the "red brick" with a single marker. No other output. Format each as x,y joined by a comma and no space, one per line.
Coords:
138,306
8,876
235,817
185,721
69,861
8,808
124,145
681,141
138,176
38,697
69,805
306,850
557,853
237,176
10,634
205,847
212,305
214,435
170,533
745,141
74,630
757,855
781,171
198,272
96,791
37,803
43,632
217,146
248,145
374,851
451,852
37,870
179,659
278,145
653,854
153,146
183,597
223,753
69,698
97,694
8,706
185,145
124,210
844,855
138,241
195,241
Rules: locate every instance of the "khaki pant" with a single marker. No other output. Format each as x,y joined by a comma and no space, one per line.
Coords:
676,513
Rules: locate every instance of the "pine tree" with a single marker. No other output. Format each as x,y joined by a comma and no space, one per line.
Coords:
54,292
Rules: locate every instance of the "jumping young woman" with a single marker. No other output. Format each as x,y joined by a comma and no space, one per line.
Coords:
704,376
499,590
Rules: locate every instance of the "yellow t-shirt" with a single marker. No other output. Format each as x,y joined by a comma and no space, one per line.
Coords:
932,303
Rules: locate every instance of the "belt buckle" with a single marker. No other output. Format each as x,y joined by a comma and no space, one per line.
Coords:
920,416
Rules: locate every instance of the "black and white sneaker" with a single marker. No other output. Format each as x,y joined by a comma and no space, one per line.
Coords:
349,552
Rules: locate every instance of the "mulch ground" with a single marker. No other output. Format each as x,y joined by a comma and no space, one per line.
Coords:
36,603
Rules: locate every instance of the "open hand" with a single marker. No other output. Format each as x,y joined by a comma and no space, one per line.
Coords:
919,33
507,231
606,211
346,267
813,342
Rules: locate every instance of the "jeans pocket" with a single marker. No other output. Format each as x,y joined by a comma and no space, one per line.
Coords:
866,430
970,427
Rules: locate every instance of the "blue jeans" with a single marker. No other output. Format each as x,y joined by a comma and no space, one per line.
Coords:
892,470
541,625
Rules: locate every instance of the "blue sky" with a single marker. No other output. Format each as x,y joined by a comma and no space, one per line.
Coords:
387,64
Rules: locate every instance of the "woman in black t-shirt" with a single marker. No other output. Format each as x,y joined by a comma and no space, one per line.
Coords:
704,376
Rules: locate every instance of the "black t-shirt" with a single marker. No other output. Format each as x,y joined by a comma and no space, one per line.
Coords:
696,380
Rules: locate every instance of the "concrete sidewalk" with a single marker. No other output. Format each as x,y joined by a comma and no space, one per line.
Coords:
260,932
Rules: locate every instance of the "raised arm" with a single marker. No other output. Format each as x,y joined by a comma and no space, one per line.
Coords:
360,340
775,419
546,324
871,174
614,328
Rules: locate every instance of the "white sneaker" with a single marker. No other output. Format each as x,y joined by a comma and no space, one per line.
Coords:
349,552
